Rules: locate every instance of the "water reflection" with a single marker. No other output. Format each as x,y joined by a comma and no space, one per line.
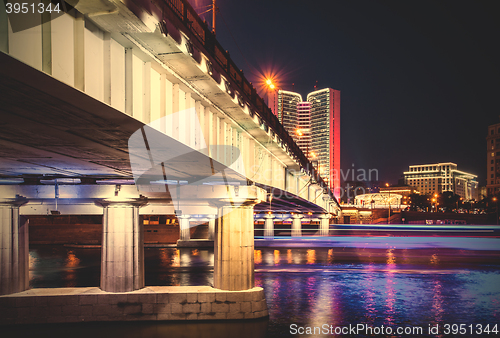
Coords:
71,263
276,257
437,301
60,266
311,256
337,286
257,256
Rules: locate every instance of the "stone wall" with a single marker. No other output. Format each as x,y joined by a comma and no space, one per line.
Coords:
59,305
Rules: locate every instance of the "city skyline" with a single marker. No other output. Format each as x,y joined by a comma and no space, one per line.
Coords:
417,81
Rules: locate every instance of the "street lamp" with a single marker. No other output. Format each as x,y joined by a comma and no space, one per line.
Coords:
271,88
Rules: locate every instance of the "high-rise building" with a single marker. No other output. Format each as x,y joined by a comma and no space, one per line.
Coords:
325,131
315,126
493,159
303,131
287,110
441,177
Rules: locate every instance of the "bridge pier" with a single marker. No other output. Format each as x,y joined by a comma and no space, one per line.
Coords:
211,227
297,225
14,255
233,250
269,226
184,228
122,260
324,224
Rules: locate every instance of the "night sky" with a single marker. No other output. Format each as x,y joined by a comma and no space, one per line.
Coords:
419,80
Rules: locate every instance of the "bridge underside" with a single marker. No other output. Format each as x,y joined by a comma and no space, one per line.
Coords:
51,130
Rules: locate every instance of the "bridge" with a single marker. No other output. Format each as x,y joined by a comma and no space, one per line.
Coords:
130,108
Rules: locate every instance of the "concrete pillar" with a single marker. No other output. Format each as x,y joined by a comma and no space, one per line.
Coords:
122,259
297,225
269,226
233,248
324,224
184,227
211,227
14,254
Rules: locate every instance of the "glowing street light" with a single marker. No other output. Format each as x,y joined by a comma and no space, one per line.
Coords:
270,84
271,87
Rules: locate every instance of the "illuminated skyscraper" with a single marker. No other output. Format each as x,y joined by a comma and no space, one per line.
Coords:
325,134
315,126
287,110
303,131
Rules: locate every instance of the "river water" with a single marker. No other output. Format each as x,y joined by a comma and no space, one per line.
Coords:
330,290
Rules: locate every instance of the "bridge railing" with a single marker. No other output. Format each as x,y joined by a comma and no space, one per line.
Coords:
196,28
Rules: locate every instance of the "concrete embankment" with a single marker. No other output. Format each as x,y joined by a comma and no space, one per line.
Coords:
63,305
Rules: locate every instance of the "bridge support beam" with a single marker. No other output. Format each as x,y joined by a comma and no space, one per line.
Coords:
211,227
234,246
184,227
297,225
14,263
269,226
122,259
324,224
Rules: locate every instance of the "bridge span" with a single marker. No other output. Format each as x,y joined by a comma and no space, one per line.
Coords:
122,109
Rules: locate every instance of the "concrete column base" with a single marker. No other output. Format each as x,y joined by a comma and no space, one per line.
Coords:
233,249
297,225
122,260
14,254
324,225
211,227
184,228
269,226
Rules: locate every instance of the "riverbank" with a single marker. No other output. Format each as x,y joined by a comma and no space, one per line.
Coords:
72,305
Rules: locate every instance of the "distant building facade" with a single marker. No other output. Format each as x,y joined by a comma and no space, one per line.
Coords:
287,110
315,125
303,132
441,177
405,191
325,131
493,159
